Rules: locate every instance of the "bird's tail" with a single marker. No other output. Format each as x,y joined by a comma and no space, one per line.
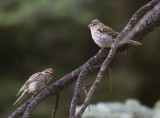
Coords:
21,98
131,42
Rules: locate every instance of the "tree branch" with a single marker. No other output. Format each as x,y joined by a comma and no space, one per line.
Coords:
135,17
58,85
149,25
81,76
97,81
76,94
56,106
133,21
142,21
110,57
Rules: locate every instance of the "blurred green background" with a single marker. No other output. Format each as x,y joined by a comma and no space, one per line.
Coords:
37,34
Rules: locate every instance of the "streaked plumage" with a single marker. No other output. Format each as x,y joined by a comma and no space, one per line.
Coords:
35,83
104,36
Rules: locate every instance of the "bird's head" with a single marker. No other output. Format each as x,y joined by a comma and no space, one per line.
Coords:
95,24
49,71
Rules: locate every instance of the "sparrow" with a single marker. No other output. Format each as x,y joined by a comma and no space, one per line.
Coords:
104,36
35,84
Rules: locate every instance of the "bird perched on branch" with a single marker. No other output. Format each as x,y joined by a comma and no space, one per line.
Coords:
104,36
35,83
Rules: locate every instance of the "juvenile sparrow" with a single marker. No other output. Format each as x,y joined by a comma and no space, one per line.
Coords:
104,36
35,83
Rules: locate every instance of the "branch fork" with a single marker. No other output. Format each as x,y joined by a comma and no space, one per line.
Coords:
146,24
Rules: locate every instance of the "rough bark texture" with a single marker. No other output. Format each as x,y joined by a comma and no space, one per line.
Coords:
101,57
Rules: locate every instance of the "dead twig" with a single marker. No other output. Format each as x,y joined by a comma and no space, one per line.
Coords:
55,106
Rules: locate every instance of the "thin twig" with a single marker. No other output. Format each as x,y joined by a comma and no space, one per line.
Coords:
142,21
85,90
95,67
106,63
110,77
135,17
96,82
60,84
86,96
87,86
56,106
149,25
76,94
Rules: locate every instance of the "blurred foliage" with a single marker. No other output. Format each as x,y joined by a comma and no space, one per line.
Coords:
130,109
29,11
37,34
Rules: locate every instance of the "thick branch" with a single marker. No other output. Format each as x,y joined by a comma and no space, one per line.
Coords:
136,16
97,81
57,86
76,94
68,79
147,28
142,21
110,57
81,76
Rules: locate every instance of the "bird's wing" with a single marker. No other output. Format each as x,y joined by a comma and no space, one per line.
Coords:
30,80
107,30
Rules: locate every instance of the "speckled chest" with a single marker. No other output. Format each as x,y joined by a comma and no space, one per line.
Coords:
102,40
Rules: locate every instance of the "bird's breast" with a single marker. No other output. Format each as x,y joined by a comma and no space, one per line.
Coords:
102,40
33,87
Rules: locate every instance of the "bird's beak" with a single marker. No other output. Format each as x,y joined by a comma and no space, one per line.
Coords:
89,25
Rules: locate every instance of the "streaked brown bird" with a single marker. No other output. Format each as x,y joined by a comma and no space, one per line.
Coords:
35,83
104,36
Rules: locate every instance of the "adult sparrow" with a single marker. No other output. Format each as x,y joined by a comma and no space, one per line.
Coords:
104,36
35,83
